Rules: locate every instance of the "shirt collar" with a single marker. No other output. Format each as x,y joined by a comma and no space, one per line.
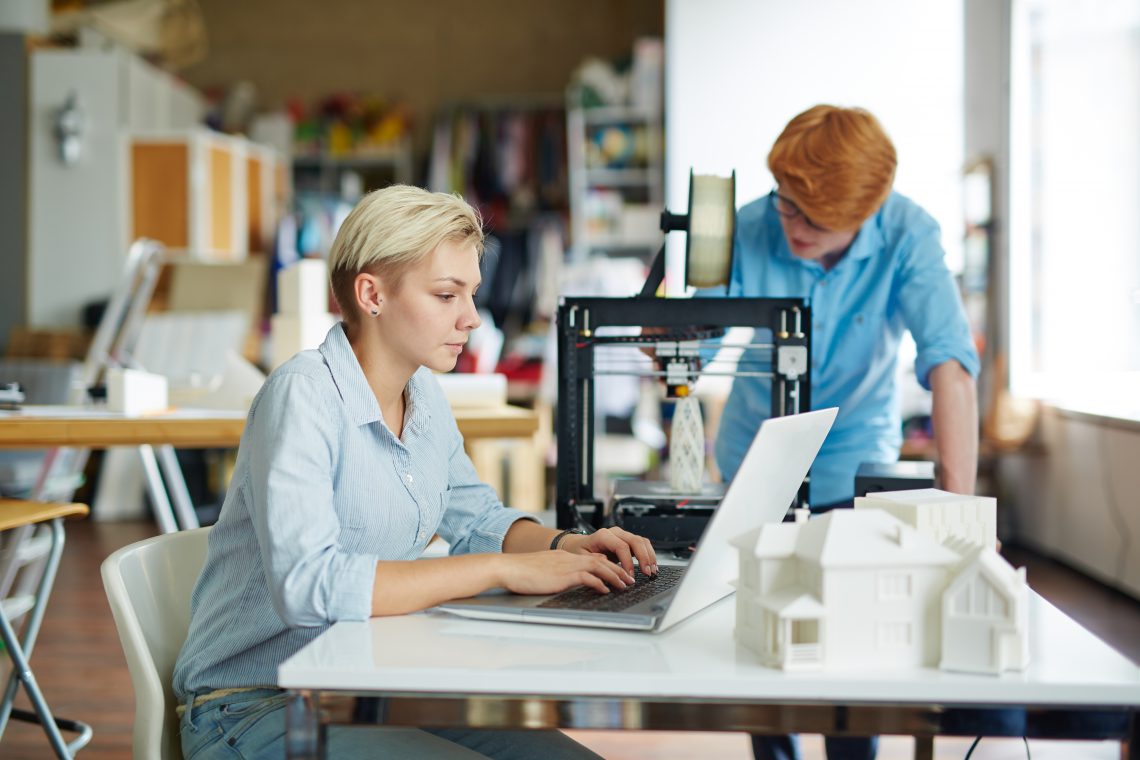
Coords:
348,376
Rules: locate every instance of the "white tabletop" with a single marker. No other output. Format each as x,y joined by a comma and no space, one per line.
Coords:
434,653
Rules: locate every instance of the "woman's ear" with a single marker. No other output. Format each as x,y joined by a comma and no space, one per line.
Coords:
369,294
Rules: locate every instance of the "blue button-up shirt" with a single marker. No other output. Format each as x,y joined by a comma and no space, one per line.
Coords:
322,490
893,278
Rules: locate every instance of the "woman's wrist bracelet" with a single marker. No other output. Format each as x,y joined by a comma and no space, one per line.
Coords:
563,534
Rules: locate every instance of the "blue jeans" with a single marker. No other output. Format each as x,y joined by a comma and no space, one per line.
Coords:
787,747
837,747
251,725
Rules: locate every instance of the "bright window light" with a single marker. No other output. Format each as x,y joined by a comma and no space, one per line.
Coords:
1075,187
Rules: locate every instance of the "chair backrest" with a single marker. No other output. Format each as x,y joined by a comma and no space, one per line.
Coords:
148,585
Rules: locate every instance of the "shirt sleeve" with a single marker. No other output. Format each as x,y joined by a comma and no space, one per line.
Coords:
475,520
932,309
294,443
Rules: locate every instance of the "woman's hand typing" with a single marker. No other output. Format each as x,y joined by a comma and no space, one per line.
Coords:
549,572
619,544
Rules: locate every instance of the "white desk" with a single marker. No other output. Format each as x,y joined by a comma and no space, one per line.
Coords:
438,670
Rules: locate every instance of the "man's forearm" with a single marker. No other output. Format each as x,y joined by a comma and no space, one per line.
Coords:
955,419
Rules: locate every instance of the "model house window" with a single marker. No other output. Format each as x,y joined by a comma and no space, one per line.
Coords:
891,634
961,602
980,598
1075,188
805,631
894,586
987,600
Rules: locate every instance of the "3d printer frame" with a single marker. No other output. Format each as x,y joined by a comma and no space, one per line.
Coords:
788,321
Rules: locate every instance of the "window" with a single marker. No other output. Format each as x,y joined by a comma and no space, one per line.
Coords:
979,598
893,586
893,634
1075,187
961,602
805,631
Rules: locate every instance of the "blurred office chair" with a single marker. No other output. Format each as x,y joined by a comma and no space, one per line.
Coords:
148,585
17,515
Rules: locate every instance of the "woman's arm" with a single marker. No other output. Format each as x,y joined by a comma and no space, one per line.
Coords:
408,586
525,566
619,545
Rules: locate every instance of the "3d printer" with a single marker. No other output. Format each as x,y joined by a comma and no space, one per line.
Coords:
684,335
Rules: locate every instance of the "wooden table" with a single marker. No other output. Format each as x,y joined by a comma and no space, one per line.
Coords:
36,427
156,436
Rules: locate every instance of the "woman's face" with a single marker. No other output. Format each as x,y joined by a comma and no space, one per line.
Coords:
805,240
427,319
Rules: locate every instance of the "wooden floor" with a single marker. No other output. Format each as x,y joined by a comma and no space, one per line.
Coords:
81,669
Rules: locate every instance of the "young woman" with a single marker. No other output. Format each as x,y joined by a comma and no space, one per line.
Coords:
350,462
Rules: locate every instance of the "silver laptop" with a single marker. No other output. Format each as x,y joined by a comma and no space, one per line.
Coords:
764,486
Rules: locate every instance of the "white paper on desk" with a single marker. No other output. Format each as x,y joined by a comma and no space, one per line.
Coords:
234,390
465,389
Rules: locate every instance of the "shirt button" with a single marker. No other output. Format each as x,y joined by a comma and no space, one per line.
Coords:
408,477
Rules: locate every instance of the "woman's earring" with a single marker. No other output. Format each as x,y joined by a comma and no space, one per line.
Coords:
375,312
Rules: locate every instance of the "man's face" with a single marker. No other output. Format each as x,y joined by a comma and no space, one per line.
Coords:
807,240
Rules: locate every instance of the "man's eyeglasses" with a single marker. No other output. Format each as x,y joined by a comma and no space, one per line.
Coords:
789,210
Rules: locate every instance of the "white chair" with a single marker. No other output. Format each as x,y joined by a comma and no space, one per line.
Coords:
148,585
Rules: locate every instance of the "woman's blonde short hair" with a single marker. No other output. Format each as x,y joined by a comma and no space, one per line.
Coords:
837,163
390,230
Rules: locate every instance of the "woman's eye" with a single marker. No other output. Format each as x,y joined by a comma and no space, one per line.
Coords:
445,297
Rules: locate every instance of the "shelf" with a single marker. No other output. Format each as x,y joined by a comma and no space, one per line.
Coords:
620,177
618,242
376,158
322,171
619,114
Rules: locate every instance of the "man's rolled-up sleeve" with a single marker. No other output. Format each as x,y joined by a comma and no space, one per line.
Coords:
932,309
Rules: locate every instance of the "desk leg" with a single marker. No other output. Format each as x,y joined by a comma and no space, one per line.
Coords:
924,748
160,502
176,485
303,735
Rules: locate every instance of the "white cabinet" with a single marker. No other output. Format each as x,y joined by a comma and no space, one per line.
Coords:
79,215
616,179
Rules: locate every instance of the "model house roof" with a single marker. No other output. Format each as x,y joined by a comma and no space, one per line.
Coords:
794,602
853,538
992,565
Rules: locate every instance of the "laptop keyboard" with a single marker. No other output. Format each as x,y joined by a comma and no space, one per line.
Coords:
644,586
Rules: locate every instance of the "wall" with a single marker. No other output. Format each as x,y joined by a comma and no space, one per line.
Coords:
1073,496
738,70
1076,497
13,182
427,53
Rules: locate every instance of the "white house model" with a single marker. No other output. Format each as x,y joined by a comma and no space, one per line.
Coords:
906,579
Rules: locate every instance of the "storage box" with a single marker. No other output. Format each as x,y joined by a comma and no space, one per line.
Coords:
189,190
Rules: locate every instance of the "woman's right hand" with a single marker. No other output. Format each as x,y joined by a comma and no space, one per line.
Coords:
548,572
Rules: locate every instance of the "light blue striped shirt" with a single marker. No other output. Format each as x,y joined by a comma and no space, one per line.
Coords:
322,490
893,278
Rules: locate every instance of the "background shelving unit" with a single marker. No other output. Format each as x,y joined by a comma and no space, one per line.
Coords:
617,179
323,172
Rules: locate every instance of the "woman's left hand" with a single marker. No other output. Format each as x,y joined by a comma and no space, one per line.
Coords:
620,545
